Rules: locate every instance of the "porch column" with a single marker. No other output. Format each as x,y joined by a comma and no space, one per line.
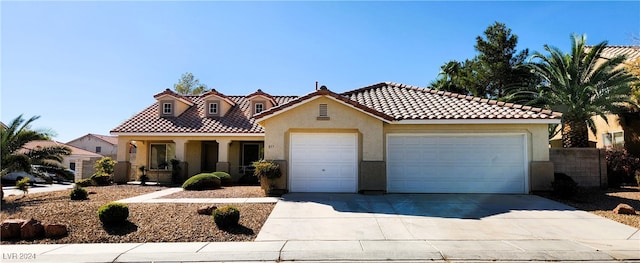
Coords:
223,155
123,166
181,155
181,149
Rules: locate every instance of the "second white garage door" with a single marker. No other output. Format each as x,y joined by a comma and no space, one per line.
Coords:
323,162
457,163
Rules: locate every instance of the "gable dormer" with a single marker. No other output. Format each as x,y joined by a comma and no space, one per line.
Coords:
171,104
216,104
260,102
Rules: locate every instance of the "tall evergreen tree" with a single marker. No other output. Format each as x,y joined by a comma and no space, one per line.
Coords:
492,71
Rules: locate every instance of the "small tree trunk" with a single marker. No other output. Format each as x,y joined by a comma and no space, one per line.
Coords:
575,134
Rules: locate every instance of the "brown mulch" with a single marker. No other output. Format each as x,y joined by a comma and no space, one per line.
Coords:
224,192
602,203
147,222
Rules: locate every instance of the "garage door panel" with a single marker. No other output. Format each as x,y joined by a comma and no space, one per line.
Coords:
456,164
323,162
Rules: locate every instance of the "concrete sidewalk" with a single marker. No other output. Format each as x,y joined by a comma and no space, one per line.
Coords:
155,197
363,250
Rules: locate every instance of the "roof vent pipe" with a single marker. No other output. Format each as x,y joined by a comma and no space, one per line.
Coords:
316,85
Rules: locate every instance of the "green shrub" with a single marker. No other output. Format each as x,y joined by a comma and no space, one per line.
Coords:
101,180
225,178
23,185
266,169
621,167
564,186
78,193
113,213
226,216
84,182
203,181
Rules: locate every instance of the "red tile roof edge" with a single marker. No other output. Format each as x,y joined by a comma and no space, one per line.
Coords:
173,94
216,93
324,92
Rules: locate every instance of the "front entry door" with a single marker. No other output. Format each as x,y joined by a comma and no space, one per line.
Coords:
251,152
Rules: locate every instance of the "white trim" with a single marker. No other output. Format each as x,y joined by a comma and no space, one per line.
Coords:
175,98
217,108
525,141
175,134
255,107
315,98
164,108
480,121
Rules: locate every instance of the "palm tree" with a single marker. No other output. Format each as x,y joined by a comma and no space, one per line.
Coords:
580,86
16,158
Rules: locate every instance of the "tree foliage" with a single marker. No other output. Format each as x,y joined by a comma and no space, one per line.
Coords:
634,69
15,158
189,85
490,73
580,86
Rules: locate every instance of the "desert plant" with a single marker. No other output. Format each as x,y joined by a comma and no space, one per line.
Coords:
621,167
84,182
113,213
144,178
78,193
23,185
203,181
175,171
266,169
226,216
101,179
224,177
563,185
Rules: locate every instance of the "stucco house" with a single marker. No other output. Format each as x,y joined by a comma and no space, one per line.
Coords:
101,144
386,137
80,161
614,133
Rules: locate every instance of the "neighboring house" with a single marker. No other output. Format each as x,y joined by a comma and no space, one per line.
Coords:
80,161
101,144
386,137
612,133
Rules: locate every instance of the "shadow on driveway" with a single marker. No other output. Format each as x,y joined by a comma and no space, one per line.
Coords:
463,206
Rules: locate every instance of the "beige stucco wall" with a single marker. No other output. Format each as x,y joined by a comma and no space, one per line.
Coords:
89,143
342,118
601,127
192,149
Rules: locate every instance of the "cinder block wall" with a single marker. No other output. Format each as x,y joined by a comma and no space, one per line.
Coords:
587,166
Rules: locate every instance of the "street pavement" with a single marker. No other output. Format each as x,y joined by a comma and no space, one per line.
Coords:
410,228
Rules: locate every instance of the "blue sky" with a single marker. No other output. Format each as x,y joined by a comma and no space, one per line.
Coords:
86,67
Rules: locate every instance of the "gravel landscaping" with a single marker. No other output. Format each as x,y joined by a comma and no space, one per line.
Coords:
224,192
602,203
147,222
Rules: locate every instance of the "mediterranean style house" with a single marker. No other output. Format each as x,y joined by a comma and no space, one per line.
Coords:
386,137
101,144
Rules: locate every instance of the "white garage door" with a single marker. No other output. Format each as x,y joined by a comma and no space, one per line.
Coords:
323,162
457,163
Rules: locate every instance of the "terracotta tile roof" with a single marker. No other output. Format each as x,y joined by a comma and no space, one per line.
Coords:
107,138
325,92
194,120
175,95
43,143
404,102
632,52
259,92
216,93
387,101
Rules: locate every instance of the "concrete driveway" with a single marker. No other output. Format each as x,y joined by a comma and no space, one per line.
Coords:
444,226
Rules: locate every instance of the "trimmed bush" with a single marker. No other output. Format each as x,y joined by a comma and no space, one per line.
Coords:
203,181
226,216
78,193
564,186
101,180
224,177
84,182
113,213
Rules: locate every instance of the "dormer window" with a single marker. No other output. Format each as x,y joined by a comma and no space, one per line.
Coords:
259,107
167,108
213,108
